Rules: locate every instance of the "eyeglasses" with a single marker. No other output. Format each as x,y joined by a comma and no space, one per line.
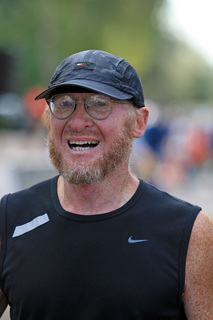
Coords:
97,106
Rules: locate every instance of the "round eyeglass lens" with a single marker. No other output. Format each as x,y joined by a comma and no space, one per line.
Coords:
62,106
98,106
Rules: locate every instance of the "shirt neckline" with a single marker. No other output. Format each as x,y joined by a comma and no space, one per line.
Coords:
97,217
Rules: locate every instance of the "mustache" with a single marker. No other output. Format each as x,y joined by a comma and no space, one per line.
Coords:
86,131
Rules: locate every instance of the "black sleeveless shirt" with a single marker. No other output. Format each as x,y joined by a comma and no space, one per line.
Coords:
122,265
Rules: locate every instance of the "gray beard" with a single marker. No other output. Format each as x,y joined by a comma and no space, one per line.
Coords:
82,173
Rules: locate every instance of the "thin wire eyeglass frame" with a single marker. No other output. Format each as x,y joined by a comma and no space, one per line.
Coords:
51,104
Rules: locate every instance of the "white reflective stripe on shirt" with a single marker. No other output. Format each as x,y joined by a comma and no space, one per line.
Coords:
19,230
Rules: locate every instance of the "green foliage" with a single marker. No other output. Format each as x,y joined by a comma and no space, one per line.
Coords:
178,74
42,33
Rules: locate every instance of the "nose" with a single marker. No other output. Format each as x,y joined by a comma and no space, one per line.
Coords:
80,118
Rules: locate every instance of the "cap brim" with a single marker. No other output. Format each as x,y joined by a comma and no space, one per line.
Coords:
88,84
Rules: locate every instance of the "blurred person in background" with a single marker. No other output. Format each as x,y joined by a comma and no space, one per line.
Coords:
96,242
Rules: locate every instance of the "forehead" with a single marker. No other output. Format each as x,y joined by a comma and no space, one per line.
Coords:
76,95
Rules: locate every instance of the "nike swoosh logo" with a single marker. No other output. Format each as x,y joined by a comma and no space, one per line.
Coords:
130,240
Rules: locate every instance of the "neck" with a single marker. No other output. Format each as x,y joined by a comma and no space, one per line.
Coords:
104,196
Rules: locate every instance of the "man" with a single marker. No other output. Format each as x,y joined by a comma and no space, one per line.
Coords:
95,242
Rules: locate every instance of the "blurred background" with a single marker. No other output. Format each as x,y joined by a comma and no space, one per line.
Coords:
168,42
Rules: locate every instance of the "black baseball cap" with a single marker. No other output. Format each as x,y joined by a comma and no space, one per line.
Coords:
98,71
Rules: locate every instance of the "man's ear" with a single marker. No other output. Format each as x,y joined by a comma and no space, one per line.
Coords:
141,123
46,118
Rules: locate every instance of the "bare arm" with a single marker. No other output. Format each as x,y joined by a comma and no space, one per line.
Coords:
198,295
3,303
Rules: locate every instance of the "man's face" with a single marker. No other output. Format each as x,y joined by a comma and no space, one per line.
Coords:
85,150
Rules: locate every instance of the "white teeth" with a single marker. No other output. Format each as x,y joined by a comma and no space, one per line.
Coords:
83,142
76,145
80,149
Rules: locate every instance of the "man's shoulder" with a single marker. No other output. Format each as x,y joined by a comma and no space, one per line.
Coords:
198,294
23,206
201,242
38,188
165,200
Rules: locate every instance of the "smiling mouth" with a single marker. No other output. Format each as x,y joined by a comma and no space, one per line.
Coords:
82,145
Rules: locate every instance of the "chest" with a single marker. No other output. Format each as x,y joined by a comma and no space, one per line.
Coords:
124,271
